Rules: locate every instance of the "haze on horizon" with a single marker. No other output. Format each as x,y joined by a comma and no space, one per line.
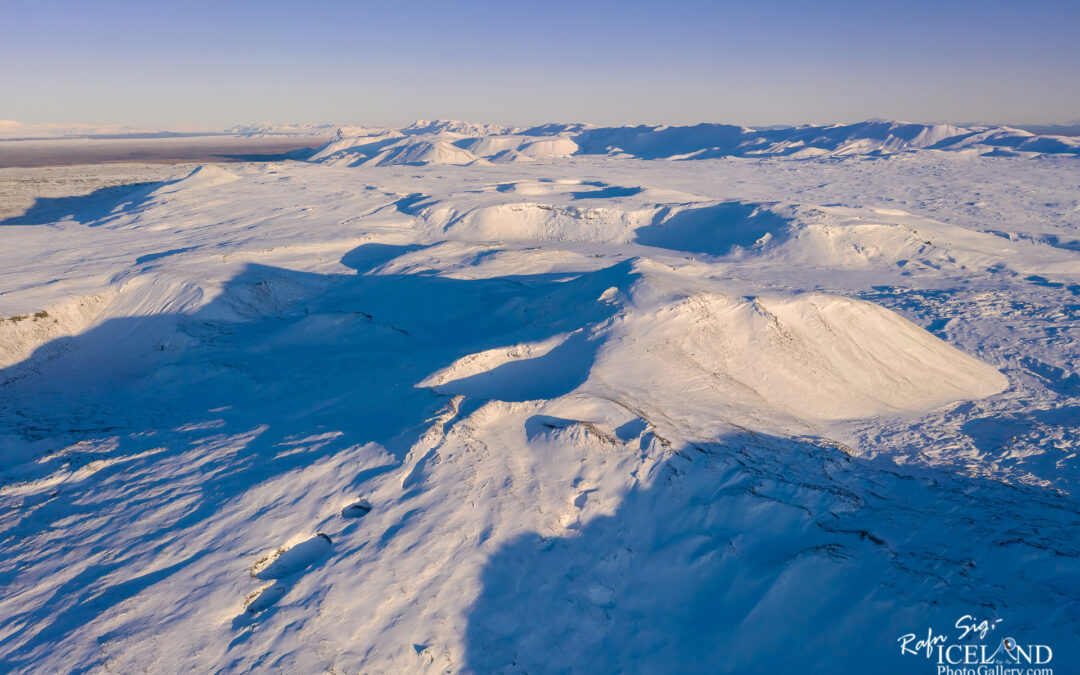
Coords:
214,65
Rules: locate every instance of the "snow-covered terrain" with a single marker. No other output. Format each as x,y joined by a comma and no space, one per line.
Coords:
453,142
10,129
459,397
21,187
294,129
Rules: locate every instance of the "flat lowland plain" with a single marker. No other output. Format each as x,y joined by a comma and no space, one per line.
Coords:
164,150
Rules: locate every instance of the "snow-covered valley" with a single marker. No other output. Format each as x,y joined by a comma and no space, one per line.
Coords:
469,399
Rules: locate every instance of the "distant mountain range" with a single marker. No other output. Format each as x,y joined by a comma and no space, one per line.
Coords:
456,142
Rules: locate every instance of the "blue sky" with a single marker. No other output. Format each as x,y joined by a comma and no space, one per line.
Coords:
768,62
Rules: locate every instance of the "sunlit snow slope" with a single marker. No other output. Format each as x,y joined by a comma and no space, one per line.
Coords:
454,142
569,413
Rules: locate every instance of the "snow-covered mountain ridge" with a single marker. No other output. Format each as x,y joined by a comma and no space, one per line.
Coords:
454,142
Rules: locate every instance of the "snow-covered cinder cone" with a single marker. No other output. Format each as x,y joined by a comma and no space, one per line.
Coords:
459,397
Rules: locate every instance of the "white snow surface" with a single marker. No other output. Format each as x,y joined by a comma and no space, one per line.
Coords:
414,144
12,129
405,408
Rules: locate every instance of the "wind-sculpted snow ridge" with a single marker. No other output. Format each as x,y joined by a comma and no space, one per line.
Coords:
413,144
541,416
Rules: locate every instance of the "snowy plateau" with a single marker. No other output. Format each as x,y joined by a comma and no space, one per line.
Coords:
457,397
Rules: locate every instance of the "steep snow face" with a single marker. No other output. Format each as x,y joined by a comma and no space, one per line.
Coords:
21,334
811,357
424,152
549,148
205,176
578,414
